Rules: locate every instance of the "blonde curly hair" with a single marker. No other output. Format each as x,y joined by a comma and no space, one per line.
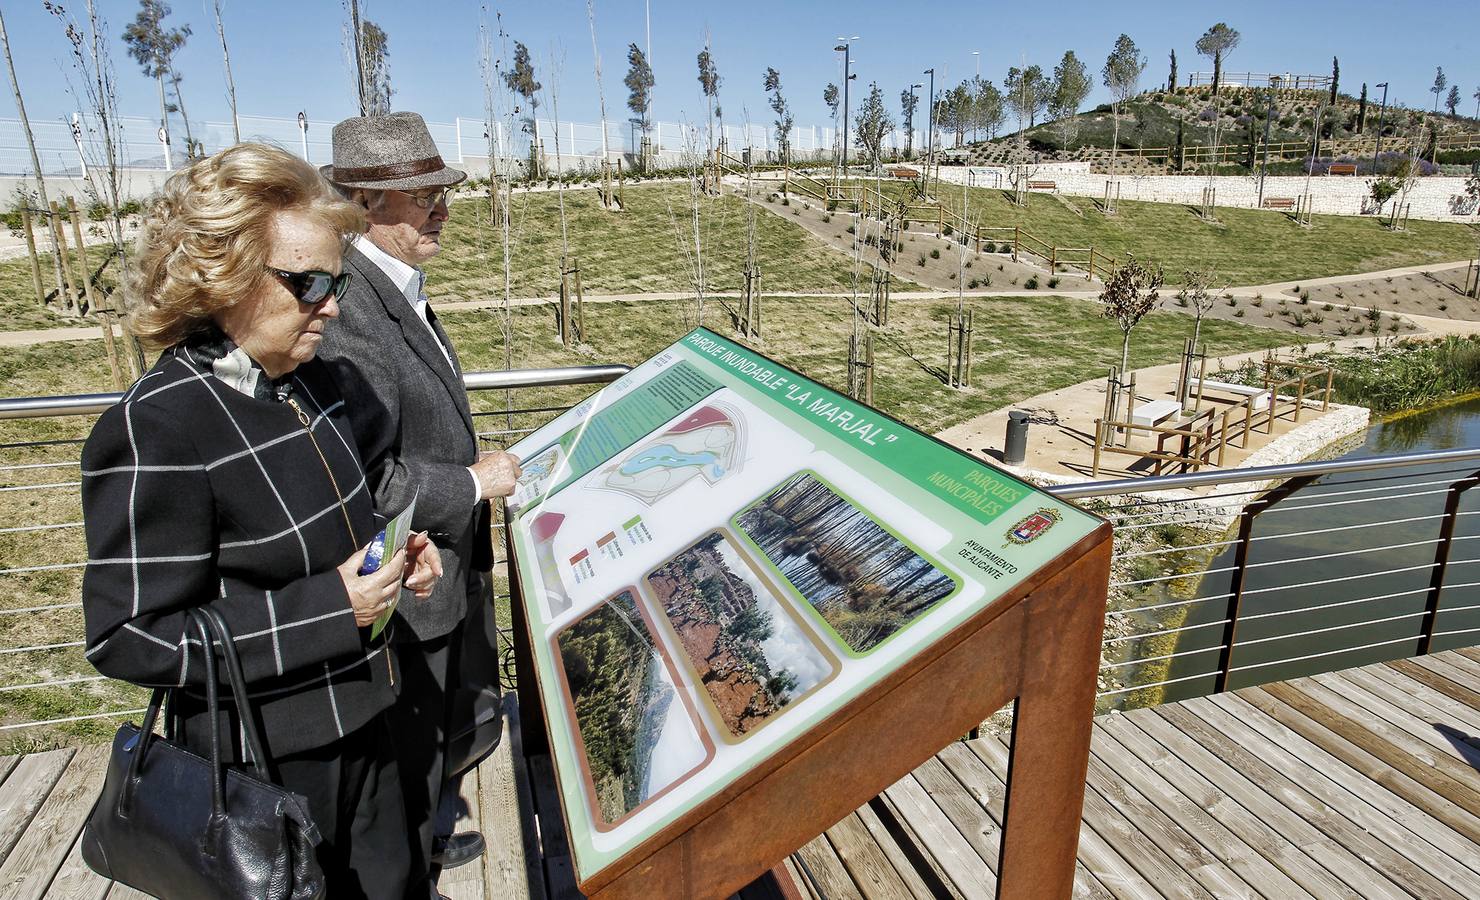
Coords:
205,240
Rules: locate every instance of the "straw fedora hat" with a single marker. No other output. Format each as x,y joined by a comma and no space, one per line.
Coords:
394,152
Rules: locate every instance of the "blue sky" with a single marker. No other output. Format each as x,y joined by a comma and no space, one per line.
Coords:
288,56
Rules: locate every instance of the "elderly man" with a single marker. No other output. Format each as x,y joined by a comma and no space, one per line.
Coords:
403,390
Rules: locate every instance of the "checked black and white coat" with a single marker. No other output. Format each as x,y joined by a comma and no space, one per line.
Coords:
194,492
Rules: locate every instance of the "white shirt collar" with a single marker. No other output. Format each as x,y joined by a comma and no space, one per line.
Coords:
409,280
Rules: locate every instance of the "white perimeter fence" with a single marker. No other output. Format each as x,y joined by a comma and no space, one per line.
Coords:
65,150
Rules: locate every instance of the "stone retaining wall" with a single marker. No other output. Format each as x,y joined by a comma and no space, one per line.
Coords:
1439,198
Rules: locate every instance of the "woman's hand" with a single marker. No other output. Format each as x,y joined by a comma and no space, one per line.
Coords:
423,565
371,594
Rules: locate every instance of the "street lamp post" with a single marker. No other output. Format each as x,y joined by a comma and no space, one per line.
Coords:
845,47
1378,149
910,138
303,133
930,122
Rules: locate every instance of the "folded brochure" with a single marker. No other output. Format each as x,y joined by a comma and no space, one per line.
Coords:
386,544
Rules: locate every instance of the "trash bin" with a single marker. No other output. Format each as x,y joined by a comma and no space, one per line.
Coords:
1015,450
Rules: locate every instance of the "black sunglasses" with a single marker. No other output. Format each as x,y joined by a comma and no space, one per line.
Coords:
312,287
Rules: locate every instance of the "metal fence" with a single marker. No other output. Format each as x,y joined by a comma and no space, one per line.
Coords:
65,148
1221,579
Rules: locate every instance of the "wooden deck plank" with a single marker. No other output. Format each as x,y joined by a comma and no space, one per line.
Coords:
1362,880
1096,856
826,872
1470,653
7,765
511,864
795,872
1400,870
1437,793
25,790
866,862
1167,835
1409,693
470,818
965,811
1266,842
1442,676
1340,794
904,866
124,892
910,837
1251,865
939,837
1460,661
40,852
1355,706
75,881
1383,798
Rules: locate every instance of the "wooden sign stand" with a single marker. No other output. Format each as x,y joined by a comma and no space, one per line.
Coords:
1037,647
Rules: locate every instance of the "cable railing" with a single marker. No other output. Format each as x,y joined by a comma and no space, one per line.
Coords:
1221,578
1312,566
46,682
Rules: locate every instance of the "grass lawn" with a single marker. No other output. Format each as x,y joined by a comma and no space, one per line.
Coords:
1248,246
1015,357
646,247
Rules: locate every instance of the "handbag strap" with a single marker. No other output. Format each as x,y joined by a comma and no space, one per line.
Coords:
146,731
214,620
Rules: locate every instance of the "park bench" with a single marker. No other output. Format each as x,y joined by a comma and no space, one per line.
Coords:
1155,412
903,173
1260,395
1043,185
1279,203
1342,169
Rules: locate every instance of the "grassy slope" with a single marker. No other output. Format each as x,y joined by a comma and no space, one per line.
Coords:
647,247
1248,246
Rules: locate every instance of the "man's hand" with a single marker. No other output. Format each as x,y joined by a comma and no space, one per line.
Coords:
423,565
497,473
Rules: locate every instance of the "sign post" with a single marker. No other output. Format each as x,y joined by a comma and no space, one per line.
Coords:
745,604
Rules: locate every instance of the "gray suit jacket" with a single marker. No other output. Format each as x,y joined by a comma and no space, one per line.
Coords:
410,416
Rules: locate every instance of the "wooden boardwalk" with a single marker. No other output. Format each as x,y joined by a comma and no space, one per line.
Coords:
1363,783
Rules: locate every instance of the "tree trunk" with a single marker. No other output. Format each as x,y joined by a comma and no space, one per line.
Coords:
1125,354
1217,71
56,256
236,130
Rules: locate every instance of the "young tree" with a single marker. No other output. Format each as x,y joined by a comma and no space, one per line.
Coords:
236,129
1335,77
988,107
519,78
1026,94
1198,294
1440,82
1216,43
1452,101
954,111
779,106
1070,86
1172,77
1132,292
1362,110
834,99
153,48
45,202
709,82
375,46
1122,75
639,82
873,123
908,100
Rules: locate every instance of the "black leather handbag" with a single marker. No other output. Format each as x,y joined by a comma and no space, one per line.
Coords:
180,827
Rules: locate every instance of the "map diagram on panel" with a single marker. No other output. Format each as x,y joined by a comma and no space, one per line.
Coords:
708,443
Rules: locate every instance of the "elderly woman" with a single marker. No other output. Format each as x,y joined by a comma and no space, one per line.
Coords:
227,476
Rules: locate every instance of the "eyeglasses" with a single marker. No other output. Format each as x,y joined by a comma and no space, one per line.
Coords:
314,286
430,200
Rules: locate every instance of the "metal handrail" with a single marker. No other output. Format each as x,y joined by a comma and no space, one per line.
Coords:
93,404
1260,473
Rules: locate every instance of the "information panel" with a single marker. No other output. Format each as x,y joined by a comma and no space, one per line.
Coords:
716,553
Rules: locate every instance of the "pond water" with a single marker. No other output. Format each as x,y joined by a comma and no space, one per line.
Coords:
1340,570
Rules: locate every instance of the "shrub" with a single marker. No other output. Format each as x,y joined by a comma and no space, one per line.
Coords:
1238,314
1305,298
946,230
1233,301
1053,283
827,217
935,253
1032,283
921,261
785,201
851,229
